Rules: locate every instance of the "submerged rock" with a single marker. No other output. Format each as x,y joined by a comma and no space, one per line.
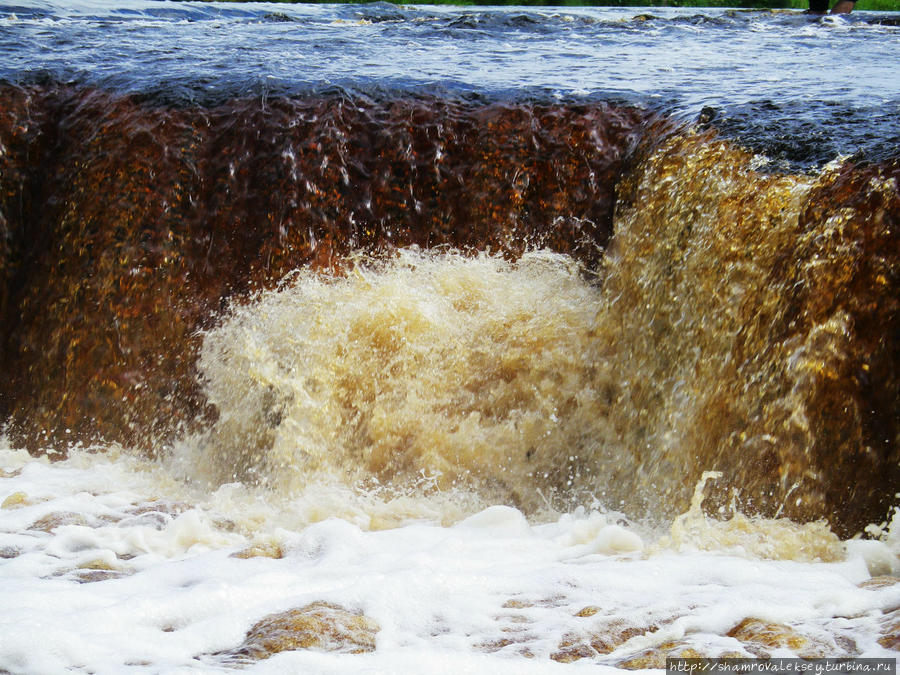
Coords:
266,549
15,501
572,650
603,638
890,631
319,625
96,570
54,520
882,581
761,637
656,656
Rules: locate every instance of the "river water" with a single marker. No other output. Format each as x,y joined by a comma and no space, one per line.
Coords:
822,81
375,338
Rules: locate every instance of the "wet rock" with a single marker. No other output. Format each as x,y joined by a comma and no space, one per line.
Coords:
759,637
656,657
15,501
491,646
319,625
225,524
91,575
516,628
890,631
603,638
97,564
268,549
572,650
155,514
615,633
91,571
51,521
163,507
882,581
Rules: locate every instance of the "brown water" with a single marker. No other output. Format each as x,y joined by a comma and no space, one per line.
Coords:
547,298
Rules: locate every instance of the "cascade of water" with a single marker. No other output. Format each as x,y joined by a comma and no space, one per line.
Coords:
739,321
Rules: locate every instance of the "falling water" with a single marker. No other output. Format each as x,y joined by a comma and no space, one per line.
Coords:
359,337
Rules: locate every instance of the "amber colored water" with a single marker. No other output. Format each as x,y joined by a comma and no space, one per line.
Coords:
548,256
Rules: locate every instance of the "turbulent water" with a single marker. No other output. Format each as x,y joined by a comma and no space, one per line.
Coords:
380,339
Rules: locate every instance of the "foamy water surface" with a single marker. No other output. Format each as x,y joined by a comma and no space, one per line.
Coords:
112,564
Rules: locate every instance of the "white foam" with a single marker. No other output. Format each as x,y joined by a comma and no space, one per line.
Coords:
493,592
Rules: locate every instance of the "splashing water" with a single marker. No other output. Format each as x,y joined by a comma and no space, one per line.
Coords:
470,370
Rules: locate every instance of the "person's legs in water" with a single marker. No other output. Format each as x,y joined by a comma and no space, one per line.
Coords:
840,7
843,7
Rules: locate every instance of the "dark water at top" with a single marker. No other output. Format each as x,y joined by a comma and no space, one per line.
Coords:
802,89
